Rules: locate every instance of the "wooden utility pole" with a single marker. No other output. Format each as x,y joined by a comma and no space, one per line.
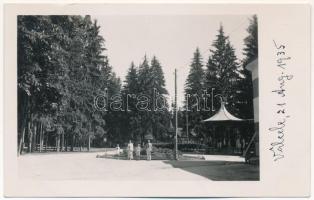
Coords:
176,114
187,123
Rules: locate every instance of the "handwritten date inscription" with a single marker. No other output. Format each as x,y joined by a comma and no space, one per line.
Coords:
281,113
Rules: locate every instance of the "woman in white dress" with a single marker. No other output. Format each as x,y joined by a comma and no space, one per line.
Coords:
130,150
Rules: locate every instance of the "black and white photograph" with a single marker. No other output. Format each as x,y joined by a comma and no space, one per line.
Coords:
138,97
157,100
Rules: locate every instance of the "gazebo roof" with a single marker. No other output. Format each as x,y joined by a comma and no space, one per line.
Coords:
222,115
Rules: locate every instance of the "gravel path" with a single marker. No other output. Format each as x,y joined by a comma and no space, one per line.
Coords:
85,166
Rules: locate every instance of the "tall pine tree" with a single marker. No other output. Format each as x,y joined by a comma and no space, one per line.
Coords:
160,115
145,80
250,52
251,42
222,71
130,90
193,93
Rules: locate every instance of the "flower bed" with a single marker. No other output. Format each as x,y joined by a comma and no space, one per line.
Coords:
157,154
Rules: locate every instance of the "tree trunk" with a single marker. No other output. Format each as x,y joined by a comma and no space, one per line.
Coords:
46,142
72,143
34,146
58,142
88,148
41,138
66,144
57,149
30,137
62,142
21,145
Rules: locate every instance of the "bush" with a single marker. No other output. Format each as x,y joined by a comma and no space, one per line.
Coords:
192,147
162,154
164,145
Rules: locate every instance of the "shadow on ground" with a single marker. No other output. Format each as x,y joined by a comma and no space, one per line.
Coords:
219,170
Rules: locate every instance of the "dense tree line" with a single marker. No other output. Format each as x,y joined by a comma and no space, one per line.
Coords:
147,83
224,74
62,67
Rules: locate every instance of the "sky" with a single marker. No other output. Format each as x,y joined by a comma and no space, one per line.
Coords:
171,38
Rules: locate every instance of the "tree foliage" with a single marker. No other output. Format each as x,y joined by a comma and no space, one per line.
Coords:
193,92
61,67
251,42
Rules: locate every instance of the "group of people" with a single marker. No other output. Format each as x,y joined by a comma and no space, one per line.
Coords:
237,144
130,150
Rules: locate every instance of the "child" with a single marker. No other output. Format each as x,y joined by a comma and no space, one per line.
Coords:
149,148
138,152
118,149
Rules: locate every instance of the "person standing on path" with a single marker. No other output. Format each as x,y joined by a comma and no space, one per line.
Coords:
238,145
138,152
130,150
149,148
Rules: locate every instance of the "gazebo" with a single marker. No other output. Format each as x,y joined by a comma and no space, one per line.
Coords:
223,115
223,118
